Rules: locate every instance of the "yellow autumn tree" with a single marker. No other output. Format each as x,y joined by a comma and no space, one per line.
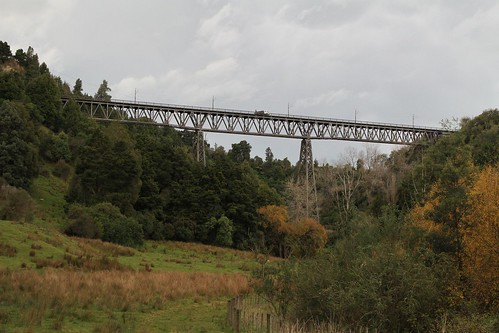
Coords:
274,222
420,213
285,238
441,216
309,237
481,238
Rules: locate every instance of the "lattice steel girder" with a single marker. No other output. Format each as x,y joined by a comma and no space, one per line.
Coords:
199,147
252,123
306,178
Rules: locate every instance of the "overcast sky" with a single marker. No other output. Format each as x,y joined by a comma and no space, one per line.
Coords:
386,61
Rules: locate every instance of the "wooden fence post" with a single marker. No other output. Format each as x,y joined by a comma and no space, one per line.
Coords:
238,319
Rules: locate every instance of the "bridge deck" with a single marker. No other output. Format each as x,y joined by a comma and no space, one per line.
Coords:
253,123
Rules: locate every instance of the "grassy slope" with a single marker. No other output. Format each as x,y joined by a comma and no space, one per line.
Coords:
48,193
24,246
32,243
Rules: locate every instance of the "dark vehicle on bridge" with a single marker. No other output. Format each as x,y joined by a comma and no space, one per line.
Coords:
261,113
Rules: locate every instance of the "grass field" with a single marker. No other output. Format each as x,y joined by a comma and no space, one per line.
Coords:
51,282
48,194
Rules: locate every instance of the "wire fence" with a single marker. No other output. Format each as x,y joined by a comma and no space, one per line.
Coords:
252,314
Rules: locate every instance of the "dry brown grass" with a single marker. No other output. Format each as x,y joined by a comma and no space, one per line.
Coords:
96,246
115,289
201,248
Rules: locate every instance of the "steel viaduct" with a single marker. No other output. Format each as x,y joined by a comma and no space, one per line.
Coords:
204,119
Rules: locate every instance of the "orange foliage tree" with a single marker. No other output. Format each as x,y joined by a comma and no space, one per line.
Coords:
481,238
476,232
285,238
274,221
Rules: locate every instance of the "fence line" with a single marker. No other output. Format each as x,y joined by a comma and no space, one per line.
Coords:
251,313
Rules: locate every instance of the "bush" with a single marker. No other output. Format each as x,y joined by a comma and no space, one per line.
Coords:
152,228
381,277
83,225
105,221
219,231
376,279
62,170
15,203
55,147
184,229
476,323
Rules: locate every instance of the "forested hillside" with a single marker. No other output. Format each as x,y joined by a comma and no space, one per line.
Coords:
406,242
144,177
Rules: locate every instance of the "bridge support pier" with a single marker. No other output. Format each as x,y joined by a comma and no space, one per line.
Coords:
305,180
199,146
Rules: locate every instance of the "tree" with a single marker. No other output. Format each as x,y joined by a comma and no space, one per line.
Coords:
11,86
220,231
55,147
240,151
5,52
103,92
340,185
275,283
284,238
107,169
105,221
18,154
308,238
296,197
274,221
269,156
376,183
347,181
481,238
44,93
29,61
117,227
482,133
78,88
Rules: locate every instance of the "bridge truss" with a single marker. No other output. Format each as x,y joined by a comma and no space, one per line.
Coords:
254,123
203,119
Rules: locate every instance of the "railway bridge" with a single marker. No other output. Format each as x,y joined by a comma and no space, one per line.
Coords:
261,123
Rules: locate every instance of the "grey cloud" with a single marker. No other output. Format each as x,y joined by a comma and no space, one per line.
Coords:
389,60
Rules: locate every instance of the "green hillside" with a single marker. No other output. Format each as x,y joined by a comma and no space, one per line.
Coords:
30,246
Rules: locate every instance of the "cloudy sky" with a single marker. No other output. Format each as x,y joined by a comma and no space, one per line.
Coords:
386,61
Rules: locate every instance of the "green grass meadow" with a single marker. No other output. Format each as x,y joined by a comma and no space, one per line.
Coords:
33,249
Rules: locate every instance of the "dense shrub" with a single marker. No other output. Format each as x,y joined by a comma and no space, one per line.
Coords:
476,323
381,277
388,291
219,231
105,221
61,170
152,228
55,147
185,229
83,225
15,204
